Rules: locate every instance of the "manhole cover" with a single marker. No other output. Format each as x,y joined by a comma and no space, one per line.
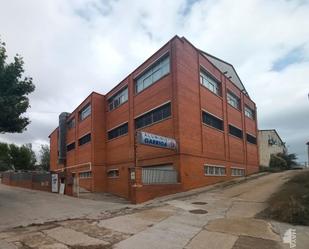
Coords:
198,211
199,203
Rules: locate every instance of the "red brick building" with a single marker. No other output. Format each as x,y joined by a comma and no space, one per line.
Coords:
180,92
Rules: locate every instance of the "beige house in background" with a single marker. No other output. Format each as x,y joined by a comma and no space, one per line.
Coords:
269,143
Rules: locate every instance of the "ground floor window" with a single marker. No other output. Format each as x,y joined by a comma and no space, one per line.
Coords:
113,173
214,170
86,174
238,172
161,174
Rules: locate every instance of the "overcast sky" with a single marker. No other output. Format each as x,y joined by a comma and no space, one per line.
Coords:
74,47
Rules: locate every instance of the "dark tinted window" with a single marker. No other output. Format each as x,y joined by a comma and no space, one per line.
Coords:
235,131
85,139
251,139
121,130
212,121
71,146
153,116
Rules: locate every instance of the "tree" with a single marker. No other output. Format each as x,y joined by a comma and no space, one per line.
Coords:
5,162
289,158
14,89
23,157
277,163
44,157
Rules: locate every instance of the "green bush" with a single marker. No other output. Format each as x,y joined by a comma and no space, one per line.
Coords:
278,163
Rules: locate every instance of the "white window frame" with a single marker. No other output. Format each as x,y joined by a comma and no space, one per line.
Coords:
119,97
249,112
146,78
233,169
85,112
85,174
214,170
209,82
233,100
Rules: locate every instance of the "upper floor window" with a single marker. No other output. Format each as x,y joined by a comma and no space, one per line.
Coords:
87,174
235,131
249,112
209,82
71,146
153,74
85,112
85,139
118,131
153,116
212,121
233,100
118,99
251,139
71,123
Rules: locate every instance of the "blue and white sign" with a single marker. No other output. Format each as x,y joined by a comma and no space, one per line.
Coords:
156,140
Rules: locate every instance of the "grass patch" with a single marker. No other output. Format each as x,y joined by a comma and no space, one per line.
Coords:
291,203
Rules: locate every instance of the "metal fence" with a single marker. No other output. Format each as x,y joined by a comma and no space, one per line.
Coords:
159,176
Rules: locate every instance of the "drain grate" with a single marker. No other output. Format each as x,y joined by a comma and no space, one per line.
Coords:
198,211
199,203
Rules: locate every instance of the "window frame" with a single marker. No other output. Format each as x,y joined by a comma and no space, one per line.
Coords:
152,112
85,174
113,170
214,167
247,110
231,96
238,169
234,135
211,80
116,128
216,118
150,71
124,91
251,136
73,148
88,134
80,113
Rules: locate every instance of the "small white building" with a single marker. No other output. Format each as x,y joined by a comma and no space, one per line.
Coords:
269,143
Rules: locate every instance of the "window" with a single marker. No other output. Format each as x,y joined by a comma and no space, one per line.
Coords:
118,99
153,74
249,112
235,131
71,146
212,121
238,172
233,100
209,82
113,173
251,139
71,123
85,139
213,170
87,174
153,116
85,112
119,131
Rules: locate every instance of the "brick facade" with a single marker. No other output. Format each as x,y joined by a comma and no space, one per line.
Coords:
198,144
